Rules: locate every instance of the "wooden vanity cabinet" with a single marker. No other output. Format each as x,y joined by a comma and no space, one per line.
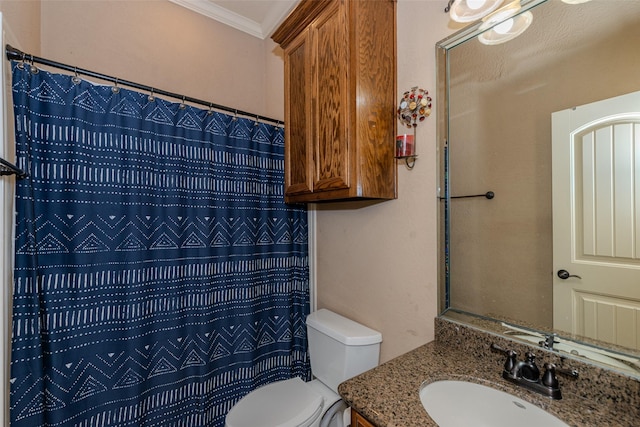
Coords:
340,90
358,420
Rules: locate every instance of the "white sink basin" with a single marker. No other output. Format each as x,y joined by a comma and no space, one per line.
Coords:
462,404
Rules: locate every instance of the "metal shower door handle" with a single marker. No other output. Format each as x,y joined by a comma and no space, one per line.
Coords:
564,275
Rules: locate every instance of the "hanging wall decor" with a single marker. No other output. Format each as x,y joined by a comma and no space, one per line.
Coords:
415,107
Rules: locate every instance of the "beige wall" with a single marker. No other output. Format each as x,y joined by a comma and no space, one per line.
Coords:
161,44
376,263
22,24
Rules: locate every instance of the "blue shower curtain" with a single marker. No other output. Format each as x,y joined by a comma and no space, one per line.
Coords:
159,276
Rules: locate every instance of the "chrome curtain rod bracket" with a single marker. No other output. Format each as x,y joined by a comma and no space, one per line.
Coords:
16,54
7,168
489,195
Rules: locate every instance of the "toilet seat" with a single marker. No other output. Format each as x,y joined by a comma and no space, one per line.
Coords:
288,403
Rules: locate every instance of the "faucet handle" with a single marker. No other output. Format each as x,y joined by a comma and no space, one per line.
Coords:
568,372
510,363
496,347
549,378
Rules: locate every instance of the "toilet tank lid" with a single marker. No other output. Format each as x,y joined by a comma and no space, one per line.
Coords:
342,329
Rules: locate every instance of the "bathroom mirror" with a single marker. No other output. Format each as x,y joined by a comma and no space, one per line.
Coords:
495,107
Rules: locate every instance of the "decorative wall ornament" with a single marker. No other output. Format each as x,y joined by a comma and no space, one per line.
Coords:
415,107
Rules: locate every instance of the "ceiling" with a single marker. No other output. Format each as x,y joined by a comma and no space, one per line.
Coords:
256,17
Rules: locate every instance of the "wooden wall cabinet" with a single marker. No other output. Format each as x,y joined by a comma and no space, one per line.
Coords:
340,94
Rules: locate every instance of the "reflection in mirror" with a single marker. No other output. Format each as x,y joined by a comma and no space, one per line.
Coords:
495,133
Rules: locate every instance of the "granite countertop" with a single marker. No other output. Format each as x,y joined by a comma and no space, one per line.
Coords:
388,395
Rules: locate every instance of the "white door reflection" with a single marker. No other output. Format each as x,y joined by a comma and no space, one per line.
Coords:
596,220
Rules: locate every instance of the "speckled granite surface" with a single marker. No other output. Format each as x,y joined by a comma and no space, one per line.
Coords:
388,395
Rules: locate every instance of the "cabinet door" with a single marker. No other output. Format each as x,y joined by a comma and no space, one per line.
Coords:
298,151
329,106
358,420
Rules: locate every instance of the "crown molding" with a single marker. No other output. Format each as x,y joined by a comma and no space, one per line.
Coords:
262,30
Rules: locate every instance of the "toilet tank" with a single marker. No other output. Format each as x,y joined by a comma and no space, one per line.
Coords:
340,348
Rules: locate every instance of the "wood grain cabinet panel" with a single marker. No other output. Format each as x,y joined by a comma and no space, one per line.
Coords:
340,90
298,153
358,420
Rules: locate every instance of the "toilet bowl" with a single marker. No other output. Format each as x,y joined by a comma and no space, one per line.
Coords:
339,349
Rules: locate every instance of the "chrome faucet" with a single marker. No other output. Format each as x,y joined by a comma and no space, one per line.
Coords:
549,341
527,374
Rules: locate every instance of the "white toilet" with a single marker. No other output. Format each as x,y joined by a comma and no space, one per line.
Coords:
339,349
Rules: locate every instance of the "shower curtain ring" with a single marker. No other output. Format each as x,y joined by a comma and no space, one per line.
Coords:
151,97
21,64
115,88
182,104
257,122
210,112
33,68
75,79
235,116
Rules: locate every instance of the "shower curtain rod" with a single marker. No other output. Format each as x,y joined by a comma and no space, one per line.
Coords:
16,54
7,168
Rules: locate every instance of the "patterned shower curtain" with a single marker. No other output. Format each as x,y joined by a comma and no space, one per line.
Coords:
159,276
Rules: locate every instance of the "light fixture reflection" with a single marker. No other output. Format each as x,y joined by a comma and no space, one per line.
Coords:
472,10
575,1
503,25
507,30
